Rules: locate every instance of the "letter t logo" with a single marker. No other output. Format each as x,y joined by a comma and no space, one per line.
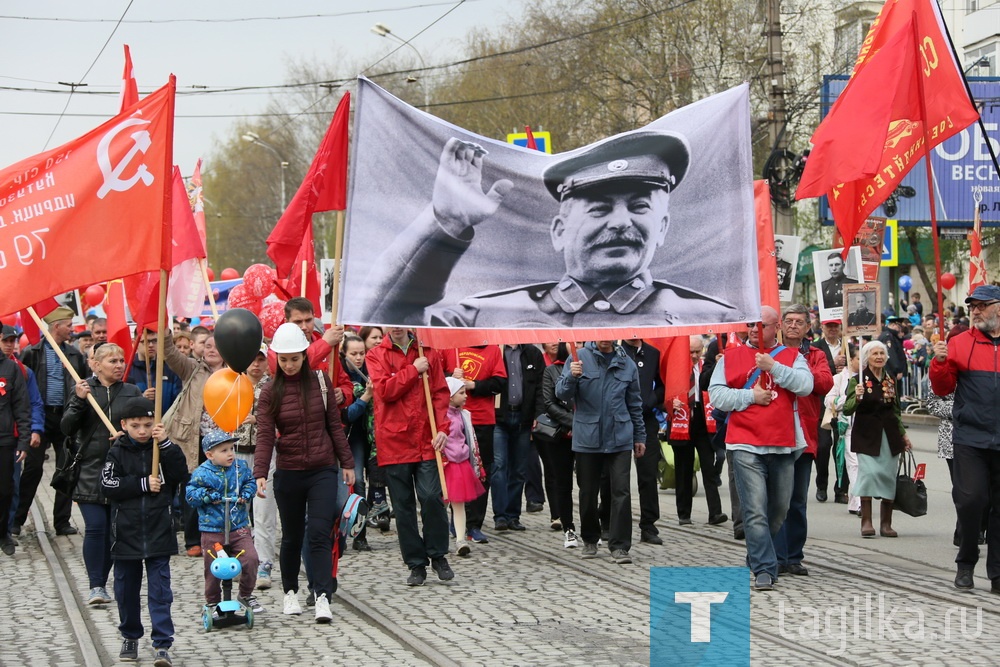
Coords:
701,612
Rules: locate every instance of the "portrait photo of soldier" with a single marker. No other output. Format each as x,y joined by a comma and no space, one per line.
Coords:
832,273
861,303
786,256
603,229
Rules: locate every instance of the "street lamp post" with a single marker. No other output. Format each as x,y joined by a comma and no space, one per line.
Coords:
382,30
254,138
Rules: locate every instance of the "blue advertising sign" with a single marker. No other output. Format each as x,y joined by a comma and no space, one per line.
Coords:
959,166
220,290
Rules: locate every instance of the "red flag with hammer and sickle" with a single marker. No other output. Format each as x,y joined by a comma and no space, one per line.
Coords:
91,210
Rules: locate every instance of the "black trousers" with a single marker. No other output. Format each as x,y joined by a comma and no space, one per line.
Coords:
32,473
557,457
312,492
536,485
647,476
976,478
823,455
684,474
475,511
421,478
7,457
589,468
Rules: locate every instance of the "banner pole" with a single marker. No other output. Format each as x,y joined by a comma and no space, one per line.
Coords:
930,182
338,251
433,421
44,328
161,326
208,287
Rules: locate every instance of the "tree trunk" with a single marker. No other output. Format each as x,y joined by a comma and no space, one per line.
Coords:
930,286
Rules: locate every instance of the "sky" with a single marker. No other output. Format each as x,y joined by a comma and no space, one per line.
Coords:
213,43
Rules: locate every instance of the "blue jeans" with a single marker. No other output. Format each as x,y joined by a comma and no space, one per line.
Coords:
128,583
764,482
791,539
511,446
96,542
17,496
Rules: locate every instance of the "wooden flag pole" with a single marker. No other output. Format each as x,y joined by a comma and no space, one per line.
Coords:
145,345
161,327
434,428
44,328
930,181
208,288
338,251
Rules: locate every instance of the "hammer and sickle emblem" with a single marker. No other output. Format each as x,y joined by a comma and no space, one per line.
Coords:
112,173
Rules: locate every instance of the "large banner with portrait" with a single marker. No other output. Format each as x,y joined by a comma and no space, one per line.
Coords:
650,232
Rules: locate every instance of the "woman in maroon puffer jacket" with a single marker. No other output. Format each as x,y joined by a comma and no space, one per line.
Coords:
312,440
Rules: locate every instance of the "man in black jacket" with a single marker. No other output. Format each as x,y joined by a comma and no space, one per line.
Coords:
15,433
832,346
56,386
647,359
520,403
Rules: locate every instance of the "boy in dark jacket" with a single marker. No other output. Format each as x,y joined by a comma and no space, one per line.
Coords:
224,476
141,528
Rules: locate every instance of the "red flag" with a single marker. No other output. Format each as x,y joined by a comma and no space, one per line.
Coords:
130,90
118,330
198,205
977,269
185,241
531,138
323,189
28,325
675,367
307,255
767,260
874,133
56,207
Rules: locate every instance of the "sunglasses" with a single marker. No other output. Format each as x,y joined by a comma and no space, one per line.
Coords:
754,325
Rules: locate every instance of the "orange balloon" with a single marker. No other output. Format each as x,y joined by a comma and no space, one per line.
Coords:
228,398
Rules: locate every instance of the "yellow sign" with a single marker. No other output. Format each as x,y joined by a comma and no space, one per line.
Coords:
890,244
543,140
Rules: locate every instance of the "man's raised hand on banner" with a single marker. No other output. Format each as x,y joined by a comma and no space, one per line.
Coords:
459,201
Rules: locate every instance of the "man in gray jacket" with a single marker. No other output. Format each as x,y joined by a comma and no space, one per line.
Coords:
607,429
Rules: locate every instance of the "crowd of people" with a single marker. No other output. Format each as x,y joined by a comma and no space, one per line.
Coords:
514,427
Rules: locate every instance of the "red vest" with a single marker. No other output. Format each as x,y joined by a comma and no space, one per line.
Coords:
764,426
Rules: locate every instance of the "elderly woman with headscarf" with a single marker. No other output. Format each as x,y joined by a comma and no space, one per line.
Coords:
878,436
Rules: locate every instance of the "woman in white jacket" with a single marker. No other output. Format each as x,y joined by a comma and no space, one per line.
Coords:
835,402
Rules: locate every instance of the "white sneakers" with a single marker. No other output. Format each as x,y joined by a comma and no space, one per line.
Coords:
323,613
570,541
292,606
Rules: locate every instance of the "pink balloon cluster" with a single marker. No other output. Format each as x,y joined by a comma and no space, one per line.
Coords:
258,282
272,316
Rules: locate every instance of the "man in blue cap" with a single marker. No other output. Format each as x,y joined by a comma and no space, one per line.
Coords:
613,215
967,365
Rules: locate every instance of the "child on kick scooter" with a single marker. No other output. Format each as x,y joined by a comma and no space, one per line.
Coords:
223,476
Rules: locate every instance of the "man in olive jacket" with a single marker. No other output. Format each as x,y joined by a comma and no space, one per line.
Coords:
607,428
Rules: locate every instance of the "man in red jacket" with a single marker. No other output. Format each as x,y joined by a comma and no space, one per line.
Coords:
967,365
406,447
791,538
299,311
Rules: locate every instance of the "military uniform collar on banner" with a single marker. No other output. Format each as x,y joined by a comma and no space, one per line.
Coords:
572,295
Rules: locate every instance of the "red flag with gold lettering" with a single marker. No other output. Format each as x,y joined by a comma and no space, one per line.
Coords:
875,132
56,207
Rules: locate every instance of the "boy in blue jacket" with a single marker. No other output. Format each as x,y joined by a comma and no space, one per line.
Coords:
224,476
141,530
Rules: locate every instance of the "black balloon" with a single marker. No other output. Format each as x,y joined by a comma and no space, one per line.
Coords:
238,335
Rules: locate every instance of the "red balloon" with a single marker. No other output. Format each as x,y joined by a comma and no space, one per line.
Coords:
240,298
948,280
259,280
210,272
9,320
94,295
229,273
23,342
272,316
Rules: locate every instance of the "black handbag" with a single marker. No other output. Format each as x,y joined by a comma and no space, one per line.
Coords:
911,495
547,428
64,479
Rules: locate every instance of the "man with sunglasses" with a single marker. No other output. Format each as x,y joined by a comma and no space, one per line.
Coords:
758,384
967,365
